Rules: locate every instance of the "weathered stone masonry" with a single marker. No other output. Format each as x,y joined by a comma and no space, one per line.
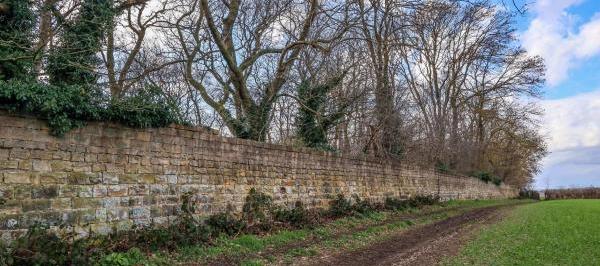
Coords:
105,176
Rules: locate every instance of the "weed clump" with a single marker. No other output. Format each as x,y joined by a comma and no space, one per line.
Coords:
225,223
413,202
132,257
340,206
297,217
257,210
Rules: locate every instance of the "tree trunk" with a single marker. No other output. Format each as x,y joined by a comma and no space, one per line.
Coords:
45,34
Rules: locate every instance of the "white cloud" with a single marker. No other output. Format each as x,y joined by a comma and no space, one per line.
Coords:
570,168
573,127
551,35
573,122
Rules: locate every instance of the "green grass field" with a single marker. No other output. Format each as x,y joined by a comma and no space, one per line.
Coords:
565,232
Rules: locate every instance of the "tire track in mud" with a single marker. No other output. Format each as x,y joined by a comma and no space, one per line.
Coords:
225,260
423,245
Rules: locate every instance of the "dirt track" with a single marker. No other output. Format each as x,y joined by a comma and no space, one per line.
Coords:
425,245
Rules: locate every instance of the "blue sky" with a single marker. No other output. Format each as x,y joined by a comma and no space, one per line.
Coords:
566,33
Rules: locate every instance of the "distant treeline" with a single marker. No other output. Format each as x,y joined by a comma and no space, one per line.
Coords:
573,193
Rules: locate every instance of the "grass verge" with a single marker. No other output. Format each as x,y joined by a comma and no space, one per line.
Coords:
564,232
285,246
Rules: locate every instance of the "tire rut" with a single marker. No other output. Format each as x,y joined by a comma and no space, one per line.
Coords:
424,245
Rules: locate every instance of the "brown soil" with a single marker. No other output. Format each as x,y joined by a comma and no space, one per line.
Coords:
425,245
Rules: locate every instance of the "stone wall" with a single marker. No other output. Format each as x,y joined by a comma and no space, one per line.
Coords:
105,176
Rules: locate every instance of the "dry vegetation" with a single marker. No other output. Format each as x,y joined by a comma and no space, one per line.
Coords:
442,83
573,193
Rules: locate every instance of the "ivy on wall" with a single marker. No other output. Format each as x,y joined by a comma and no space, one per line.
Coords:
70,106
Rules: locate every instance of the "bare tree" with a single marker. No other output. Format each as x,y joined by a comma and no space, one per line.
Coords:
128,38
381,26
425,81
464,71
238,54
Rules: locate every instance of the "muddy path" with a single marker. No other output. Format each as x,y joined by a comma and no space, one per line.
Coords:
279,251
424,245
421,245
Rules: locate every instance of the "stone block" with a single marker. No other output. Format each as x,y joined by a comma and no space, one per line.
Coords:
84,216
149,200
68,191
98,167
20,154
86,203
82,167
35,205
111,202
168,179
95,178
50,178
139,213
61,155
110,178
41,155
77,157
115,168
6,192
90,158
17,178
4,153
138,190
159,189
85,191
129,178
132,201
100,191
132,168
44,192
78,178
10,222
117,214
48,218
61,166
142,223
25,165
61,204
148,179
105,158
10,207
116,190
22,192
143,136
8,164
41,166
101,215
